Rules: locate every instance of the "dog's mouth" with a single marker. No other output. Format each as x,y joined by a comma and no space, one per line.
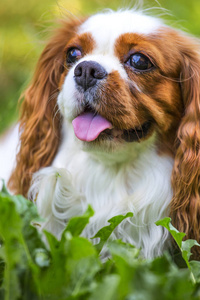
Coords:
90,126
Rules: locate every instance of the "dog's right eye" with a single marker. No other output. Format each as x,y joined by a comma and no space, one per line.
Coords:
73,55
140,62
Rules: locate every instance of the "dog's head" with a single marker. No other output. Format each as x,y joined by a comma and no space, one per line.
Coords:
121,81
119,78
124,78
108,67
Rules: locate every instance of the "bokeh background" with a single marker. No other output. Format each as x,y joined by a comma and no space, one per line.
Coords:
24,26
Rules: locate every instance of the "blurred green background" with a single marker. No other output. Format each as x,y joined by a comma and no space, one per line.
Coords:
24,26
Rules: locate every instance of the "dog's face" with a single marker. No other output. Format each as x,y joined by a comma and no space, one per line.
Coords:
120,81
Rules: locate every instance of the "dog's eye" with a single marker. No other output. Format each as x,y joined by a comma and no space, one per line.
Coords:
140,62
73,55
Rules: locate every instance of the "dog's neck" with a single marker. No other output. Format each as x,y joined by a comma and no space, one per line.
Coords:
121,156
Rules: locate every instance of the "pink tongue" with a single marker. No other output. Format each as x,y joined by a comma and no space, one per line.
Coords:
88,126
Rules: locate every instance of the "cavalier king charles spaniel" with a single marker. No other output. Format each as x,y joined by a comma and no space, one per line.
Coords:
112,119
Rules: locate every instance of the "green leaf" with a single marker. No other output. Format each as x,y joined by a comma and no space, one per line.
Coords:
195,267
186,248
125,251
105,232
107,289
178,236
52,241
82,264
76,224
4,189
19,239
73,266
125,257
11,250
163,265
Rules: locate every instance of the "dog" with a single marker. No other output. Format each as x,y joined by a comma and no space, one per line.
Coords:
112,119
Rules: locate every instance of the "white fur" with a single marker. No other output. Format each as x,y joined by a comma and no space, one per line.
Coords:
8,150
140,184
107,27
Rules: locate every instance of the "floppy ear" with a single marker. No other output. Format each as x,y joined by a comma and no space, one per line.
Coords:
39,127
185,206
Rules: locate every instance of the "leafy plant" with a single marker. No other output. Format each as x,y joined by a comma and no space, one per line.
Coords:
184,246
72,268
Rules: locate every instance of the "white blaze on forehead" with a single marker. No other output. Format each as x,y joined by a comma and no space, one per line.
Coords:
107,27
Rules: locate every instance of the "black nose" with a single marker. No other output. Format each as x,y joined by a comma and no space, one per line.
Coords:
87,73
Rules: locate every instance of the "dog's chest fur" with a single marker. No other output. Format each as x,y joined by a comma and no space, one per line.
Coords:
78,178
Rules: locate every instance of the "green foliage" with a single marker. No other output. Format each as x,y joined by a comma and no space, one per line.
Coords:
71,268
184,246
106,231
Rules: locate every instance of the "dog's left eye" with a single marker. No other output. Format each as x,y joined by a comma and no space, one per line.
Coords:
140,62
73,55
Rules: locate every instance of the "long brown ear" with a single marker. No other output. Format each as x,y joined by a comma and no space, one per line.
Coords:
39,129
185,206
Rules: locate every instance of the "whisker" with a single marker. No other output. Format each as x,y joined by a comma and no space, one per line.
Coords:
60,119
178,80
53,96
